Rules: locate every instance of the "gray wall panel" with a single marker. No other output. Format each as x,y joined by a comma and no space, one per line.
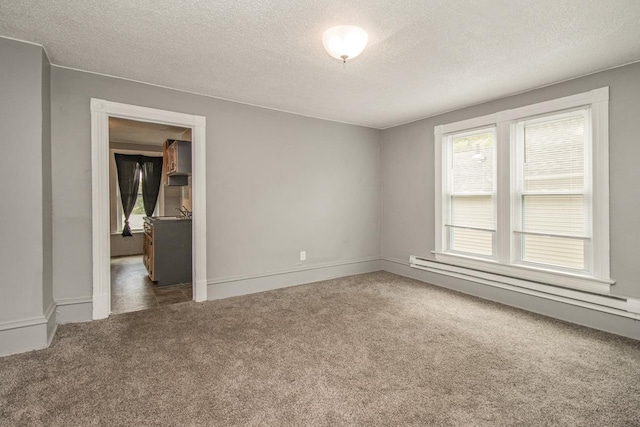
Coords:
21,181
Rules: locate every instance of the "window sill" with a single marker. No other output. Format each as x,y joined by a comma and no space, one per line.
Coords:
517,273
119,233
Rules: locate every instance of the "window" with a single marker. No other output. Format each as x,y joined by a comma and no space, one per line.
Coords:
136,219
518,192
471,225
552,208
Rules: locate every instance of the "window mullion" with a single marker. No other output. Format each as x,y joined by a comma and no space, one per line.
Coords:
517,166
502,192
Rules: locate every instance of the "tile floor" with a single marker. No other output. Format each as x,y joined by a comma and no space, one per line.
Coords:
132,290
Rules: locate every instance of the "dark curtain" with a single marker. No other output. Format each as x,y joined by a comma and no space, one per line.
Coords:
129,167
129,182
151,176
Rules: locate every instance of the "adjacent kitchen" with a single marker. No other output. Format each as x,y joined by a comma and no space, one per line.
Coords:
150,197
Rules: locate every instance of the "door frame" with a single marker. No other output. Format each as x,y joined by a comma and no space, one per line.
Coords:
101,110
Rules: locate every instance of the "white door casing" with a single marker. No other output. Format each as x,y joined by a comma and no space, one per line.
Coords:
101,110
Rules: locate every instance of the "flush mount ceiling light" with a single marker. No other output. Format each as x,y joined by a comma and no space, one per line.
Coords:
345,41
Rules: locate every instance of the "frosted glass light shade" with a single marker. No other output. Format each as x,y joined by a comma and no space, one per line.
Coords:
345,41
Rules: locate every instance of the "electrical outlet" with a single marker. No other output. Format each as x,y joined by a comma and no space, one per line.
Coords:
303,255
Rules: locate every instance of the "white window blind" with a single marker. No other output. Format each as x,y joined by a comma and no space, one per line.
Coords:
553,216
471,221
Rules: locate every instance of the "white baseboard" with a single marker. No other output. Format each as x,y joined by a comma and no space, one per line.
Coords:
100,306
23,335
19,339
249,284
589,317
200,289
74,310
34,333
51,321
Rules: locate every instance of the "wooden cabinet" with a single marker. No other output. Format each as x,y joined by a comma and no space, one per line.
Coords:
177,162
147,251
167,250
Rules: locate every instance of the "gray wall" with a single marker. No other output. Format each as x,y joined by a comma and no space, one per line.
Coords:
408,179
125,246
23,250
277,183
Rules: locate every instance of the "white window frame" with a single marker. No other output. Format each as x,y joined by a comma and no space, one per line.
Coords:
598,278
517,164
449,193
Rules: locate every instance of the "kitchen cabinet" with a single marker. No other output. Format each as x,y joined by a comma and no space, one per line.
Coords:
167,250
177,162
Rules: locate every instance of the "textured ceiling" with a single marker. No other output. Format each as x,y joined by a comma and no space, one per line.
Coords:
424,56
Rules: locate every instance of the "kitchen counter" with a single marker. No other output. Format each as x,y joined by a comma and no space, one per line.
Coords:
167,249
166,218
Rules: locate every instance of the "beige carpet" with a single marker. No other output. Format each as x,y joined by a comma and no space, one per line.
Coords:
373,349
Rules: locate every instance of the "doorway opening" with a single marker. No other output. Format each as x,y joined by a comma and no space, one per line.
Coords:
145,275
128,275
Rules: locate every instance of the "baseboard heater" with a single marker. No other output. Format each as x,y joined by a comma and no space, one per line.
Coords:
626,307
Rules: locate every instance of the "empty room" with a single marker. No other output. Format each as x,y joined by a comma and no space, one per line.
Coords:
321,213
